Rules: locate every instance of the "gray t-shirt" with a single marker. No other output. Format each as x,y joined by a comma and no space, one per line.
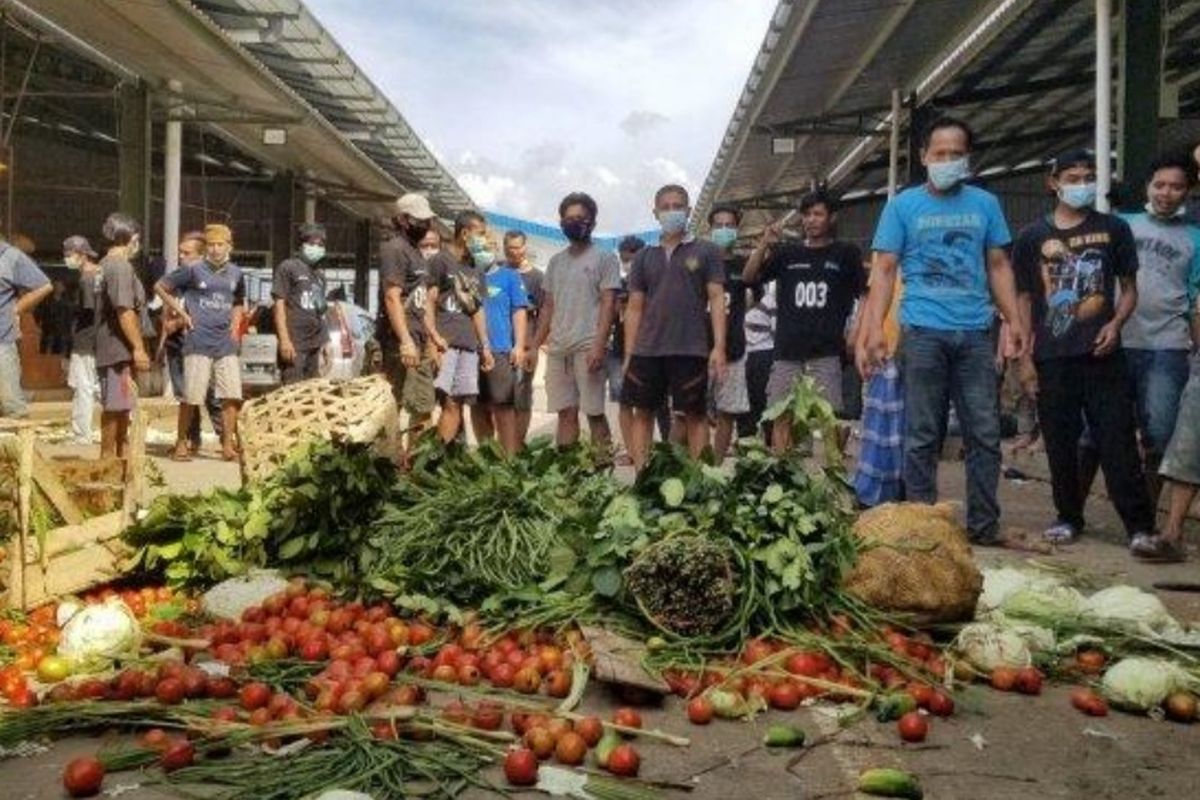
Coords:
120,289
87,316
675,318
209,296
1168,280
575,283
18,275
302,289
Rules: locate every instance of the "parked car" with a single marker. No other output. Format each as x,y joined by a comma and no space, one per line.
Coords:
346,354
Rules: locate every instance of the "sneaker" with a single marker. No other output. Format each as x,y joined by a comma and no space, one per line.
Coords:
1061,533
1149,547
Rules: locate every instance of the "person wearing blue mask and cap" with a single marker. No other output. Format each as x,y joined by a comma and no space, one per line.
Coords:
1069,265
946,240
298,291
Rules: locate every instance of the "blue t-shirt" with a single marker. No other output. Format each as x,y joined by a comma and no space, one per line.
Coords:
942,243
505,294
209,295
18,275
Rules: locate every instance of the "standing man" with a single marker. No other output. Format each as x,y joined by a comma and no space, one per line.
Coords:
454,320
947,240
1157,339
79,256
298,289
816,285
211,311
674,327
614,363
1068,266
730,396
407,361
516,257
22,286
581,282
507,324
760,356
120,348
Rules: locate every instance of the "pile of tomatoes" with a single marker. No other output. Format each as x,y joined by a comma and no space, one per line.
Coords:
568,742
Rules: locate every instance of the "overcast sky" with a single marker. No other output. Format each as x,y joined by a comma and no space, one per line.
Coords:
526,100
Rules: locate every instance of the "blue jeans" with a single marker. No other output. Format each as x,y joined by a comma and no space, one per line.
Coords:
1157,378
941,367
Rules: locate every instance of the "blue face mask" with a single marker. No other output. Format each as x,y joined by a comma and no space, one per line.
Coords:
312,252
476,244
1077,195
483,258
673,222
946,174
724,237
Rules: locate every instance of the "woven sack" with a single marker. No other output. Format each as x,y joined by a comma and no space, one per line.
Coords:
915,559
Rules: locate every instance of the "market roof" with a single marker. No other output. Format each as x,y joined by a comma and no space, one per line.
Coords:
238,92
1020,71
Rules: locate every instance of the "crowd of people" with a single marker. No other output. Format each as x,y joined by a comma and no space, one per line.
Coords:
1097,316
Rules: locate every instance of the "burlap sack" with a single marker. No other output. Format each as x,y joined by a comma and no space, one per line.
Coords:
915,559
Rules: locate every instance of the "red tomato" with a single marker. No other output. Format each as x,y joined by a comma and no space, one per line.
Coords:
624,761
941,704
700,711
784,696
521,767
1004,679
1029,680
913,727
810,665
180,754
82,777
170,691
591,729
921,693
254,696
756,650
571,749
627,718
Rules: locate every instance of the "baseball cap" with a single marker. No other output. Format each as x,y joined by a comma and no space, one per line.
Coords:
78,244
414,205
312,230
1075,157
217,233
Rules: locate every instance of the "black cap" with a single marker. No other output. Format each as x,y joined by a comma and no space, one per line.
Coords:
1075,157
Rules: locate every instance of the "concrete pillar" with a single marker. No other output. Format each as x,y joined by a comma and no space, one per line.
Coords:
362,261
133,147
310,206
172,172
1103,119
283,189
1140,76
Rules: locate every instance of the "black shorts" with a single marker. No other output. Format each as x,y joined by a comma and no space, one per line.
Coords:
650,378
498,387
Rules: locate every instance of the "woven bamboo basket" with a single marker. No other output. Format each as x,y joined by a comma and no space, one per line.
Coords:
359,410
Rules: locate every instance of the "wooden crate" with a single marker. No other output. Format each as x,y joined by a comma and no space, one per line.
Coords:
87,550
359,410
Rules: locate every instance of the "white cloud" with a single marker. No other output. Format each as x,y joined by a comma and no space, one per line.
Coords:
526,98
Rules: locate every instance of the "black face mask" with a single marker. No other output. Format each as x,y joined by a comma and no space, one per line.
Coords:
416,229
577,230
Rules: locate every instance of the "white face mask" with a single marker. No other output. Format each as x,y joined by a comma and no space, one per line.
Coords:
73,261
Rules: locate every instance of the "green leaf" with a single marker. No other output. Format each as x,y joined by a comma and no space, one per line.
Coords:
562,562
673,492
167,552
607,581
292,548
773,494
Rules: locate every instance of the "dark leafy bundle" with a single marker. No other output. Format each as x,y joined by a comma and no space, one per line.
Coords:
684,584
309,516
474,523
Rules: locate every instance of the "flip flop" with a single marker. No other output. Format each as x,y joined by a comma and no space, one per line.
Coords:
1157,550
180,457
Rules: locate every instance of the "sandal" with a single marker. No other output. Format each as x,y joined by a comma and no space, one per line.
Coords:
1061,533
181,454
1157,549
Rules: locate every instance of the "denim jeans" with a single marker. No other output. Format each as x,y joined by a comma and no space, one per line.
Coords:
1157,378
940,368
12,396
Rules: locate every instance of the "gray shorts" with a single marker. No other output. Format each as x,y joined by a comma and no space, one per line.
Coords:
570,384
826,372
458,376
118,392
523,391
730,395
1181,461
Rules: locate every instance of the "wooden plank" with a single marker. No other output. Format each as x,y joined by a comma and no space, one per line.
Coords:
47,480
135,463
617,659
70,537
24,504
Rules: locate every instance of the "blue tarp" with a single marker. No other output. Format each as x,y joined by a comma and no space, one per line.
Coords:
503,222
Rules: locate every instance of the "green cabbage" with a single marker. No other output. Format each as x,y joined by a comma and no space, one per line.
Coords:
1002,582
1140,684
99,634
1048,604
986,646
1129,605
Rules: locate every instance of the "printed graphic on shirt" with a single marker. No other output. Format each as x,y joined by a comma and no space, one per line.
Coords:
1073,280
949,250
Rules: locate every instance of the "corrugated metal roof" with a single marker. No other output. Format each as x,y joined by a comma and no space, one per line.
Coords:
290,42
830,66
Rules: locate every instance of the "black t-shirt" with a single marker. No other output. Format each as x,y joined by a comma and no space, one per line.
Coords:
616,339
815,294
87,318
1071,275
302,289
402,265
735,308
453,278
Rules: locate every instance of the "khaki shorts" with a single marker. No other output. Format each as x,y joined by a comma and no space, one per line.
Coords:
412,388
569,384
224,373
826,373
